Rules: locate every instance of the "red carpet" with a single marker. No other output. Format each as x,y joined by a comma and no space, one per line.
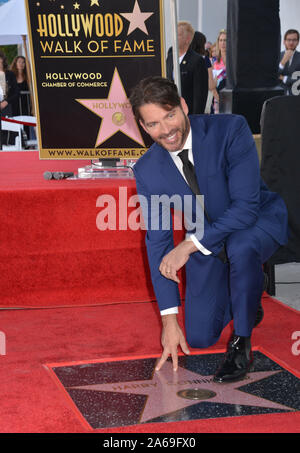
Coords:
32,402
51,251
52,255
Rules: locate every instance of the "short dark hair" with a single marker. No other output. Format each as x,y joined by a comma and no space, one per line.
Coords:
291,32
198,43
154,90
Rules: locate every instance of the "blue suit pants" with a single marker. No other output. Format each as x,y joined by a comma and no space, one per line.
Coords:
217,293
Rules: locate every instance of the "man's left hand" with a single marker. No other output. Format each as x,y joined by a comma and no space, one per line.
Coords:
176,259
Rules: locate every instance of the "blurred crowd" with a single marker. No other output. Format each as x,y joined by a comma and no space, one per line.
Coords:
202,72
202,68
195,85
215,55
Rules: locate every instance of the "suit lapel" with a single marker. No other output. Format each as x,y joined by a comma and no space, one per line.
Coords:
295,62
174,181
199,152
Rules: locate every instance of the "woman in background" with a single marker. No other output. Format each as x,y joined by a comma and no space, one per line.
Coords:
11,92
18,67
198,45
10,95
219,67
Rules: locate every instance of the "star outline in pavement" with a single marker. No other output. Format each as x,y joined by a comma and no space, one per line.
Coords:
167,382
137,19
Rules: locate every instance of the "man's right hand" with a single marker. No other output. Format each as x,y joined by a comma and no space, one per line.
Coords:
286,57
172,337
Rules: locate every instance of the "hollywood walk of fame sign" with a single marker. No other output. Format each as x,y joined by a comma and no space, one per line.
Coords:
113,394
87,56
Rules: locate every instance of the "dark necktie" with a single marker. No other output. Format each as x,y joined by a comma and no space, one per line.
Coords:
189,172
190,175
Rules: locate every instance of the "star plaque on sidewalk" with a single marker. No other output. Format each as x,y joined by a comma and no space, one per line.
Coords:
112,394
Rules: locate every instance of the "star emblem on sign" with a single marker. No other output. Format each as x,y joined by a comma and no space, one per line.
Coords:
168,392
137,19
116,113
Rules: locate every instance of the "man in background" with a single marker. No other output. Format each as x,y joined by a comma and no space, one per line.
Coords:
193,71
289,62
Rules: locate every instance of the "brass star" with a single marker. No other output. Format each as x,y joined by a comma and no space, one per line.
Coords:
94,2
76,5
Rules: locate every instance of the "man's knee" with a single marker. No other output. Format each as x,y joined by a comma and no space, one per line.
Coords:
243,246
201,338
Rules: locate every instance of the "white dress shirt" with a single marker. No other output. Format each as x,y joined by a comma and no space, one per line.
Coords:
189,237
180,61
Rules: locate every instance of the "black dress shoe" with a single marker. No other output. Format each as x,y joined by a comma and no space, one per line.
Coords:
238,360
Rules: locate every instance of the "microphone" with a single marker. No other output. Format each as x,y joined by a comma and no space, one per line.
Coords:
57,175
62,175
48,175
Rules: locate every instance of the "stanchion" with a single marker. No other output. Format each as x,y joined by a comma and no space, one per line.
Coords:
16,127
0,134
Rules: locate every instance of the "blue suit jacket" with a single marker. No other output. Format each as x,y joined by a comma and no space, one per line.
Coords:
227,169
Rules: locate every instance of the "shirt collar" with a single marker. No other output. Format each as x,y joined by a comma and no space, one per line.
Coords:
181,58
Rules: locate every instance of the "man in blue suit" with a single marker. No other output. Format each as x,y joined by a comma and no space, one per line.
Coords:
244,223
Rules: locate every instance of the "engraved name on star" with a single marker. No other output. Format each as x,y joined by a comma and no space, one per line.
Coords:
137,19
116,113
164,389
